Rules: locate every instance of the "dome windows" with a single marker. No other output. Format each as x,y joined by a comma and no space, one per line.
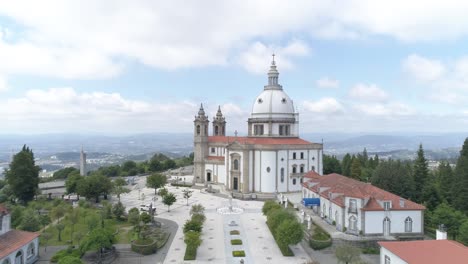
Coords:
260,100
283,100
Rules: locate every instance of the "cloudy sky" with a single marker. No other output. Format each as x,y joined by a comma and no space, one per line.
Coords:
145,66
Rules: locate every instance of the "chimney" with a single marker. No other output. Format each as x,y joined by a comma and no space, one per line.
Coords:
441,232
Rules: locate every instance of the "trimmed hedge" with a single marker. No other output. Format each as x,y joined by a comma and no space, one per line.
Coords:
285,250
234,232
236,242
190,253
146,247
65,253
238,253
319,244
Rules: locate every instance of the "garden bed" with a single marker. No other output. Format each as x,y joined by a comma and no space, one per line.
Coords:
236,242
238,253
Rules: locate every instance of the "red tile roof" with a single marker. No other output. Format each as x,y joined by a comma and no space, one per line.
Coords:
13,240
338,184
221,158
428,251
258,140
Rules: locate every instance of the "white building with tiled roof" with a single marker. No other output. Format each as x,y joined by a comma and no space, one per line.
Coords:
357,207
16,246
272,158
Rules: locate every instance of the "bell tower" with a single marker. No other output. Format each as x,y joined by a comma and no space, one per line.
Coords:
200,142
219,124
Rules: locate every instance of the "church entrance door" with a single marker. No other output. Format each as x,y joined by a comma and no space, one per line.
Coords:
235,185
208,176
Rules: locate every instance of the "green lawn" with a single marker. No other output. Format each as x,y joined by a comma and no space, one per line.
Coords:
124,229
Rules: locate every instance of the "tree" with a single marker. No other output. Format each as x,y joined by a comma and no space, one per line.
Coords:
270,205
169,199
421,173
98,239
156,180
355,168
118,210
446,181
162,192
331,164
463,233
276,217
451,218
78,236
72,182
94,186
187,194
193,240
431,195
347,254
461,179
45,237
70,260
346,165
197,209
60,228
395,177
73,217
169,164
23,175
30,221
145,217
154,165
191,225
64,173
289,232
119,187
58,212
129,168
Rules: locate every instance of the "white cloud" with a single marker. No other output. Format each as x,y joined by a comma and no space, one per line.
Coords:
327,105
257,57
3,84
422,68
326,82
389,109
368,92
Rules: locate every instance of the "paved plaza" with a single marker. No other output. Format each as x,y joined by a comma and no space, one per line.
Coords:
258,243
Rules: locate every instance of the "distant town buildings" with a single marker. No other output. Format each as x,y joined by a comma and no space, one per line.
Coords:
16,246
272,158
360,208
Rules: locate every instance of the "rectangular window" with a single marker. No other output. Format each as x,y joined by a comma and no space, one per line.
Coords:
258,130
387,206
302,169
294,155
352,206
213,150
283,130
294,169
302,155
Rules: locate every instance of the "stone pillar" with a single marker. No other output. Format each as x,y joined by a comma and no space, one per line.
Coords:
302,216
286,203
309,222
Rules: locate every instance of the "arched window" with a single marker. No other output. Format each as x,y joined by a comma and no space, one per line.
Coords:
236,164
216,130
206,130
352,225
330,212
386,226
19,257
6,261
294,181
408,224
313,168
301,180
198,130
294,169
336,218
282,174
302,168
30,252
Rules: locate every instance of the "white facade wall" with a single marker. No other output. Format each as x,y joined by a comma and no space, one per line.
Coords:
359,204
26,259
374,221
251,170
257,168
394,259
268,160
283,163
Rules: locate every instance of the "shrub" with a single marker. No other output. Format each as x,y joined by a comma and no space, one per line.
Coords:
371,250
70,260
234,232
236,242
193,241
199,218
144,246
190,253
319,244
191,225
270,205
59,255
276,217
238,253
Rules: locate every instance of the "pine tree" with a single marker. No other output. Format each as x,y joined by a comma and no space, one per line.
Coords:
23,175
421,174
355,169
446,181
461,180
346,165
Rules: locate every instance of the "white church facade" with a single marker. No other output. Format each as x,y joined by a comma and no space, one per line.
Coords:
271,158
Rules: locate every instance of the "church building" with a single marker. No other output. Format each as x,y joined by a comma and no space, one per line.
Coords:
271,158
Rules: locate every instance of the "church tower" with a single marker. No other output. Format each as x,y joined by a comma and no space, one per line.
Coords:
82,162
200,142
219,124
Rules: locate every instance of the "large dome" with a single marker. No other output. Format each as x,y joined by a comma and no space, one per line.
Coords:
273,103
